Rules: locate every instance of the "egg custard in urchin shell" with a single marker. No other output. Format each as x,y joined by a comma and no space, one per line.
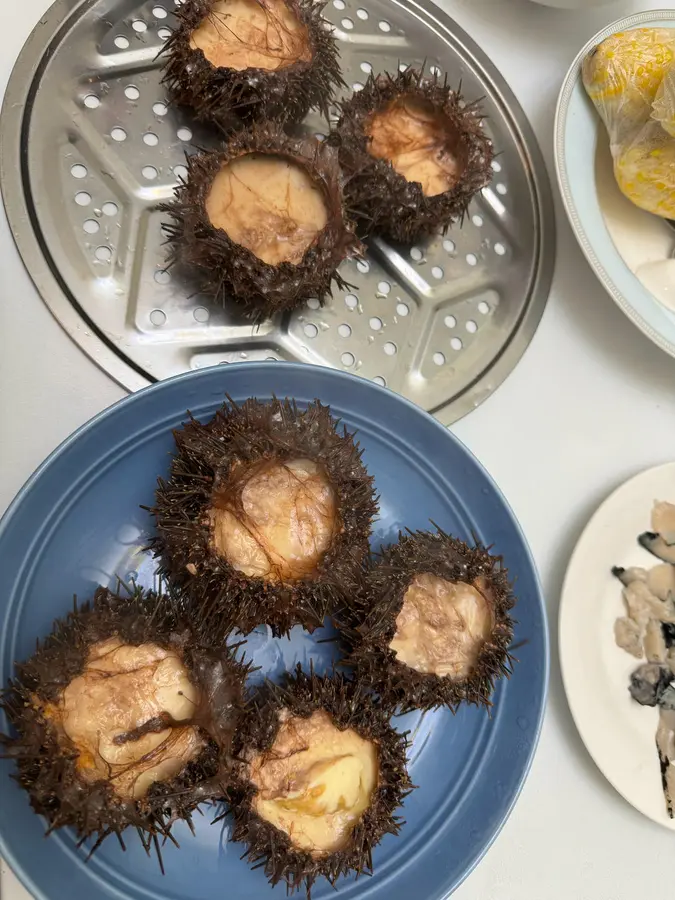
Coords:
262,222
320,778
414,155
432,626
235,62
265,517
122,718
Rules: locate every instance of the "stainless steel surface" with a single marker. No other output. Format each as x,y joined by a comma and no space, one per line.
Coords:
89,146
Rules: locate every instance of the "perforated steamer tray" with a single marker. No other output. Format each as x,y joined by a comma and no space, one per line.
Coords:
89,146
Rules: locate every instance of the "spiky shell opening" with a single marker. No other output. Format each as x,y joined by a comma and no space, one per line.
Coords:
63,777
229,271
389,128
373,621
210,460
350,708
255,79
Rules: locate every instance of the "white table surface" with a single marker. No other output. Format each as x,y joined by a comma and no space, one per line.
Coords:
591,403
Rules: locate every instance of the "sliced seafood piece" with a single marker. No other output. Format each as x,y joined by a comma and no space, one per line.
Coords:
642,605
628,636
648,682
663,521
665,744
654,642
626,576
657,546
661,581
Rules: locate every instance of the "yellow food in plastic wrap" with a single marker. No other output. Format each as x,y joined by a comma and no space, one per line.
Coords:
664,104
625,77
645,172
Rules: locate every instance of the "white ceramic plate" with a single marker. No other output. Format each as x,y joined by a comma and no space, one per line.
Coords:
618,733
610,230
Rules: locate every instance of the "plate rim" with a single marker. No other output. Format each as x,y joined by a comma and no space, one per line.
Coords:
564,652
305,370
570,83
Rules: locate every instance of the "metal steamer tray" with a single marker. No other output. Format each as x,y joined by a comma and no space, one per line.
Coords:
89,146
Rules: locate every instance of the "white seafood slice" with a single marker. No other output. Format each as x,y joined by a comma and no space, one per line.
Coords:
661,581
628,636
642,605
654,642
663,520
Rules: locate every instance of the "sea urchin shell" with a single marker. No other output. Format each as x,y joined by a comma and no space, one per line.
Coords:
76,704
262,222
432,627
266,515
414,154
340,755
238,61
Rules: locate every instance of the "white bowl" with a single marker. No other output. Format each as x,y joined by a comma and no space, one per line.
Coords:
630,250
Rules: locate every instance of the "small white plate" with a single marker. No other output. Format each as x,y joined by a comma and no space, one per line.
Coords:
619,734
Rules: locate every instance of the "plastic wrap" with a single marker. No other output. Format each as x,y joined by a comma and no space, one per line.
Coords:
630,78
664,104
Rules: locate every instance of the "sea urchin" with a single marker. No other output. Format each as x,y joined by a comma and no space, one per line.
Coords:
432,627
320,779
262,222
234,62
122,719
414,154
266,515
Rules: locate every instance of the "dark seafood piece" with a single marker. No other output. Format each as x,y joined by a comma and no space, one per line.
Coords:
665,743
648,682
235,62
123,719
667,698
668,634
321,776
262,222
657,546
265,518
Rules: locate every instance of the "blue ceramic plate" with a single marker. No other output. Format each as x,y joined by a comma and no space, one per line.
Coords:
77,524
577,131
